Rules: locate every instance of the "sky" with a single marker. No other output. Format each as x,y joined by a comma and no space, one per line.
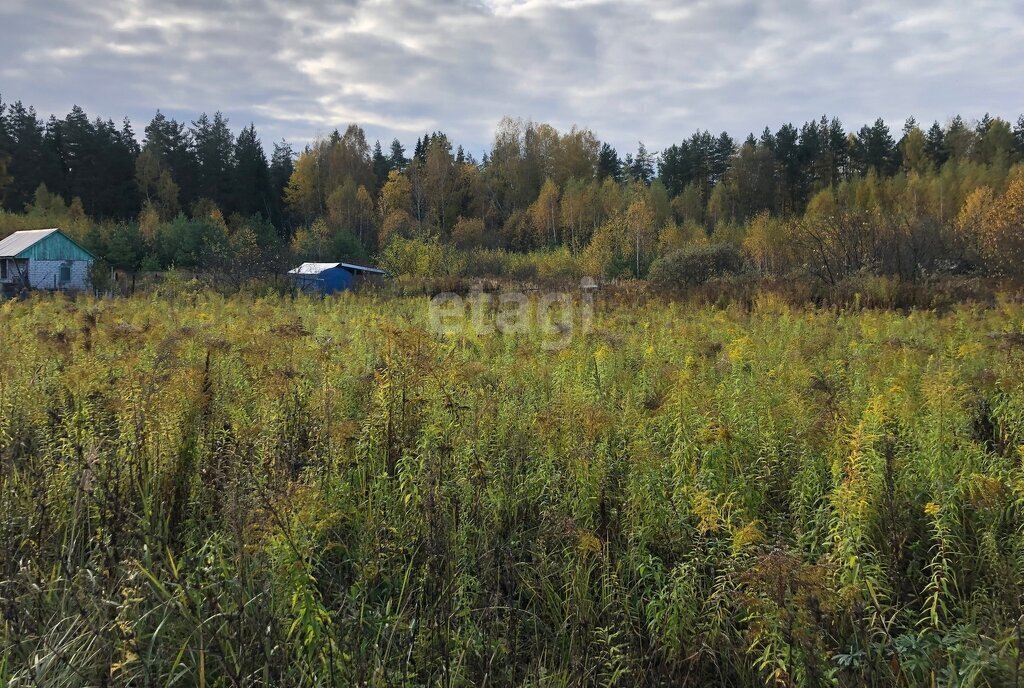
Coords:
630,70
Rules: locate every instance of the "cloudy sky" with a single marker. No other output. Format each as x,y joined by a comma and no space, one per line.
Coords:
629,69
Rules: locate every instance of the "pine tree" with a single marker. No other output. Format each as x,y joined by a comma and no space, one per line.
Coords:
997,145
787,157
171,142
53,144
724,150
79,157
809,152
608,164
984,124
875,149
114,193
213,147
884,154
838,151
641,167
674,168
959,140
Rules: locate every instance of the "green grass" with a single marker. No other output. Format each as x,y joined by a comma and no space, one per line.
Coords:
228,491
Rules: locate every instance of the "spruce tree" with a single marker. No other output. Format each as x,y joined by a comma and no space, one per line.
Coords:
252,193
397,159
381,164
282,164
935,145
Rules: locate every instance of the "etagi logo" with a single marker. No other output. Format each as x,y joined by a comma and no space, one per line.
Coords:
555,317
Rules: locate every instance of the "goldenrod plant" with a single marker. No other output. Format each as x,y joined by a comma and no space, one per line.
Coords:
244,491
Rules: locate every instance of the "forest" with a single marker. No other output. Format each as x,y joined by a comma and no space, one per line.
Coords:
815,200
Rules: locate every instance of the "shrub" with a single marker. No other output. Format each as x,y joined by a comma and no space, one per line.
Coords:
468,233
1002,240
486,263
556,264
695,265
421,258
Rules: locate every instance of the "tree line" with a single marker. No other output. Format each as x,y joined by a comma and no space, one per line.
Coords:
816,196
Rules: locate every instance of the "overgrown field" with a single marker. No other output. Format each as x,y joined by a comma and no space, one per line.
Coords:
228,491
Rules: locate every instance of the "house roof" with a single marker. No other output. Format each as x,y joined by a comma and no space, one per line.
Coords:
18,243
362,268
317,268
312,268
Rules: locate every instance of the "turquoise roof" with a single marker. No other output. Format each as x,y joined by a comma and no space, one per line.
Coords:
43,244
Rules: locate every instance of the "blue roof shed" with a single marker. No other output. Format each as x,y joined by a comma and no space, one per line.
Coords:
328,278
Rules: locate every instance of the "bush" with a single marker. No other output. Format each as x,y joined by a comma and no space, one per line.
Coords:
468,233
486,263
556,264
421,258
693,266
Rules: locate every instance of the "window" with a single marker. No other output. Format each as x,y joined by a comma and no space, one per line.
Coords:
65,273
3,268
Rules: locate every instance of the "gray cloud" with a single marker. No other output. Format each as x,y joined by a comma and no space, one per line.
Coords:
630,69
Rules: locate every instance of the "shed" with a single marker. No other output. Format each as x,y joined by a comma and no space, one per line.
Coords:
328,278
43,259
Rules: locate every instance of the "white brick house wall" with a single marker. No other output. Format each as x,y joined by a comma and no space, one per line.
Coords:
45,274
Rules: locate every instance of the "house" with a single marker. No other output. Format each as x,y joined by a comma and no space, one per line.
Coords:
327,278
43,259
